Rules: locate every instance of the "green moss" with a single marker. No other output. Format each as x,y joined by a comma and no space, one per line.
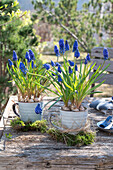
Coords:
82,138
17,124
39,125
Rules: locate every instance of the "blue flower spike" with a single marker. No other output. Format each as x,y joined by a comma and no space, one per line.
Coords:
85,61
77,54
53,74
88,57
105,54
10,62
75,46
56,50
59,78
27,56
59,69
70,70
14,56
31,54
32,64
38,109
47,66
66,46
57,64
22,68
52,63
61,45
71,63
76,68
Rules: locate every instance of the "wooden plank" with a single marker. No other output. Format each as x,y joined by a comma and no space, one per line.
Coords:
108,78
100,62
98,52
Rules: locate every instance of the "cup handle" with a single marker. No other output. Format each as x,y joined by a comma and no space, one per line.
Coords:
14,109
51,115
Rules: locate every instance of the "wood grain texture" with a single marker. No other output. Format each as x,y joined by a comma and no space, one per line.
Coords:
98,52
107,77
33,150
100,62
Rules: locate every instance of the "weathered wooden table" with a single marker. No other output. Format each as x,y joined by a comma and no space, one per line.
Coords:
36,151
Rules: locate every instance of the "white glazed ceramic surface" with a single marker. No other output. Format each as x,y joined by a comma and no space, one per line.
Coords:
74,120
27,111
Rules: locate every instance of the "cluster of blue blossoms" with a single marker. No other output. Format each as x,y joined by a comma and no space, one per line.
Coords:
38,109
30,58
63,48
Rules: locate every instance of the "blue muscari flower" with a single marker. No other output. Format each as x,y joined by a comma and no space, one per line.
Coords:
56,50
59,78
59,69
88,57
52,63
38,109
32,64
71,63
70,70
76,68
75,46
27,56
31,55
61,44
10,62
77,54
14,56
47,66
66,46
22,68
57,64
54,74
105,53
85,61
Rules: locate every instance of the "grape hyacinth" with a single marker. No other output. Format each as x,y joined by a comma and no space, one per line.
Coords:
56,50
27,56
105,54
66,46
47,66
77,54
10,62
70,70
59,69
88,58
31,55
14,56
71,63
75,46
52,63
59,78
85,61
22,68
38,109
61,44
76,68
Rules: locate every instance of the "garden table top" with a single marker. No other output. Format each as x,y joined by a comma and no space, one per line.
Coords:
34,150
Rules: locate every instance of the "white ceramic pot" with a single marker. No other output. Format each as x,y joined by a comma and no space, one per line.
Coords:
27,111
71,120
74,120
